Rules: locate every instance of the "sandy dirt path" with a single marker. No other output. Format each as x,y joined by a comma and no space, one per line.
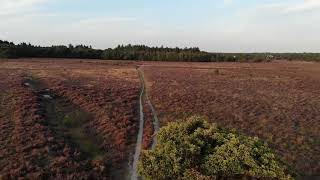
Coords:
143,94
133,172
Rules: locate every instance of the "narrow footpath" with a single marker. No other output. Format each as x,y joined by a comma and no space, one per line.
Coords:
143,96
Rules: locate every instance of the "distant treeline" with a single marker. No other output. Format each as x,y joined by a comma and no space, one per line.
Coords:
142,52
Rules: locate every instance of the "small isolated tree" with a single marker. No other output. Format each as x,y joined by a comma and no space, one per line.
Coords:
196,150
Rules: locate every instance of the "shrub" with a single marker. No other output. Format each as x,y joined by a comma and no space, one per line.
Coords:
196,149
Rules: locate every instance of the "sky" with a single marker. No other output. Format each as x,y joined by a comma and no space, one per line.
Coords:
212,25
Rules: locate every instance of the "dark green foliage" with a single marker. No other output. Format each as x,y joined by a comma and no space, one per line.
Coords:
129,52
23,50
7,49
198,150
143,53
298,56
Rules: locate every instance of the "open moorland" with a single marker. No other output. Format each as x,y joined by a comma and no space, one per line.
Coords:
67,119
278,102
73,119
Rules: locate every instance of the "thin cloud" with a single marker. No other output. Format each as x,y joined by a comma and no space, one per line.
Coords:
18,6
264,26
104,20
290,7
307,5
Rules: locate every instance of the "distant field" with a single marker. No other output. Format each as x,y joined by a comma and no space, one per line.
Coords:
80,118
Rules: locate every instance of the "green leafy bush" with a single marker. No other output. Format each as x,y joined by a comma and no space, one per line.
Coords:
196,149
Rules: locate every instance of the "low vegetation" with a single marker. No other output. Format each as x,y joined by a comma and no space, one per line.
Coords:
196,149
71,119
60,128
277,102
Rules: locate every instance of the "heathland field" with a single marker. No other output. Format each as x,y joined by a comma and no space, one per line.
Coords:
81,119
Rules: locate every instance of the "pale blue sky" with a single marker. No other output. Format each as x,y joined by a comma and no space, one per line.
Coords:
212,25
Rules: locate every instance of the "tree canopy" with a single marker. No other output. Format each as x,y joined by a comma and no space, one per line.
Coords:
196,150
141,53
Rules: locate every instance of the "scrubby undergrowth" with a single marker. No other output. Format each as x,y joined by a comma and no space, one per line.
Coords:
196,149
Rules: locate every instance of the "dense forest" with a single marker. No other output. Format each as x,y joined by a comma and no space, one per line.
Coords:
142,52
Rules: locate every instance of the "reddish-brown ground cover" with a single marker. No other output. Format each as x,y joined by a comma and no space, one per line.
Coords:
31,147
114,109
28,147
278,102
148,130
